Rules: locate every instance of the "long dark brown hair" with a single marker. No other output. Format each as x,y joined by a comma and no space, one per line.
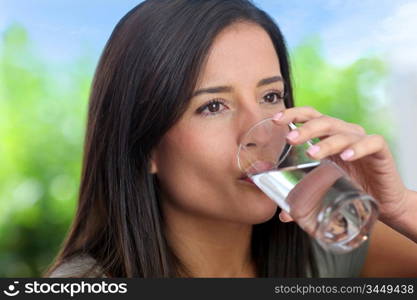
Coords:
142,85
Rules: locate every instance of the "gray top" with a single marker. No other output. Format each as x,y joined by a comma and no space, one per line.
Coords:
330,265
77,267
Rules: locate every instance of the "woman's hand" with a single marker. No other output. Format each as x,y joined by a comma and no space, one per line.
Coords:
366,158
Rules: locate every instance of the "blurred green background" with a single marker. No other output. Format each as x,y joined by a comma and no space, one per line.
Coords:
342,54
42,119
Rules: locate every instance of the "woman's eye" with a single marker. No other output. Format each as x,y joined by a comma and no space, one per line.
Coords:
273,98
212,108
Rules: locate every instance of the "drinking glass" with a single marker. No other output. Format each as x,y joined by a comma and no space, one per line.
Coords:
318,194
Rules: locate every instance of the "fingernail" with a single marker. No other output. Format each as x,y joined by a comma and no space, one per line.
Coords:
347,154
277,116
284,218
313,150
293,135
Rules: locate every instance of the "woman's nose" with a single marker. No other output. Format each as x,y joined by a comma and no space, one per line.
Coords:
260,135
252,113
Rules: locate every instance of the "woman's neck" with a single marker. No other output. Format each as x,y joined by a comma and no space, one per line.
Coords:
207,247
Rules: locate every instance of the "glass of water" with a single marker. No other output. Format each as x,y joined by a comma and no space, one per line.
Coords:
317,194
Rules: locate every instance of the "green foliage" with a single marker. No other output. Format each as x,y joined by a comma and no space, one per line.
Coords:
41,132
351,93
42,123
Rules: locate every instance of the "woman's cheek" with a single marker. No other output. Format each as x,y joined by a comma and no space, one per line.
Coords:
204,148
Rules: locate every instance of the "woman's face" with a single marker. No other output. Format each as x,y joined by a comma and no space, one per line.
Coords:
196,162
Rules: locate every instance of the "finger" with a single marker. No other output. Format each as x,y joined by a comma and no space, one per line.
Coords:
284,217
323,126
370,144
332,145
296,115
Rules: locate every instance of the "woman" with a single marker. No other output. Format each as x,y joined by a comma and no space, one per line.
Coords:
178,84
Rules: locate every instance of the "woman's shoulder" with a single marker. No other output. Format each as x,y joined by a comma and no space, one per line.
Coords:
78,266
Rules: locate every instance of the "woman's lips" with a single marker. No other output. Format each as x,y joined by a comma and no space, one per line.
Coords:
256,168
247,179
259,167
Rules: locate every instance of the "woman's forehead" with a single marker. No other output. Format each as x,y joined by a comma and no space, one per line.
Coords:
240,50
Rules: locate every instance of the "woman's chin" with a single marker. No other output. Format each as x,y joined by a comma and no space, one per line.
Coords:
255,207
261,210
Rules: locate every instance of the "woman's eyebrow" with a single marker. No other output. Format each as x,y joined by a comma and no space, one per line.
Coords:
269,80
228,89
213,90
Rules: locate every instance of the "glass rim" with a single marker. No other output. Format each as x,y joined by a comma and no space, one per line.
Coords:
291,126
